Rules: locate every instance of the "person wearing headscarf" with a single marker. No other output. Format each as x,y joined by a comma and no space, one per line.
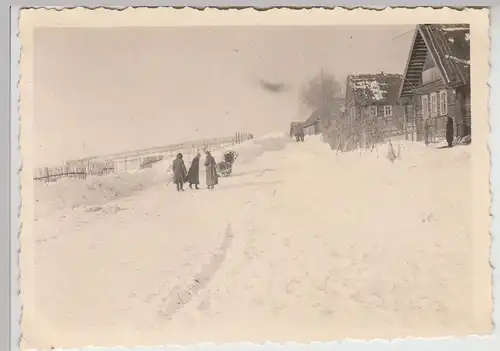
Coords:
180,173
193,175
210,164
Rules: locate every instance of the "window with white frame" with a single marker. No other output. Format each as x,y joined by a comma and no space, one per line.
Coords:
373,111
425,106
434,105
387,111
352,112
443,102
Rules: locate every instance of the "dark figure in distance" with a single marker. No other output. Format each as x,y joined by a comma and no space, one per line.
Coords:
299,133
180,173
449,131
193,175
210,164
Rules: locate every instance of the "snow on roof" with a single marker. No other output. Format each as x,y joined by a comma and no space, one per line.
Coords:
375,88
449,47
457,50
456,59
458,35
452,28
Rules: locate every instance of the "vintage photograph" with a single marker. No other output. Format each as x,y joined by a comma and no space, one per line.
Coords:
229,183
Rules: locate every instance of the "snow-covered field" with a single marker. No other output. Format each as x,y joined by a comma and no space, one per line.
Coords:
299,241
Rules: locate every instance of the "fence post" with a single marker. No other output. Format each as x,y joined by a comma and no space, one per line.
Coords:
405,120
414,124
426,131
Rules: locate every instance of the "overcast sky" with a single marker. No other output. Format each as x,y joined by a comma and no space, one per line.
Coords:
116,89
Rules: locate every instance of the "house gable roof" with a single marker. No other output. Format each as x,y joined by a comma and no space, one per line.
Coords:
318,113
313,118
449,47
376,89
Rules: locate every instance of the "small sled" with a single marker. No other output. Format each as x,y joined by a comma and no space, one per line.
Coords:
225,167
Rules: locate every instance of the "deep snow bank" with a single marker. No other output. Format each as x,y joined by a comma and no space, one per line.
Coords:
98,190
250,150
412,155
408,154
73,193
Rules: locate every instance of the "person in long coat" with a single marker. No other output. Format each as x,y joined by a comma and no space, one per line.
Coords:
193,175
449,131
180,173
212,178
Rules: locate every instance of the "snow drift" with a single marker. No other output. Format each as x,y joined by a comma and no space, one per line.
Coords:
72,193
252,149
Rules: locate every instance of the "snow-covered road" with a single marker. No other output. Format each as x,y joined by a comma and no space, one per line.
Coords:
298,242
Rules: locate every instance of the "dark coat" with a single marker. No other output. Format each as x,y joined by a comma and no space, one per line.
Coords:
179,170
299,131
193,176
449,130
212,178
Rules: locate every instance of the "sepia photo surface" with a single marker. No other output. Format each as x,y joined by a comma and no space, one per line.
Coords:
228,176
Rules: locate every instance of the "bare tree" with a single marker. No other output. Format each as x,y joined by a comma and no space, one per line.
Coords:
321,91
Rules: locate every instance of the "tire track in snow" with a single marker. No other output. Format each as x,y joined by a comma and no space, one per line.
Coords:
179,296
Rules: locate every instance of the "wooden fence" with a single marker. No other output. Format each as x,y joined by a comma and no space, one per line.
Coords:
345,134
434,129
136,160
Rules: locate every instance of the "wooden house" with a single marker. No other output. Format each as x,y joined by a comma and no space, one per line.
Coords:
321,118
312,126
437,79
373,95
293,127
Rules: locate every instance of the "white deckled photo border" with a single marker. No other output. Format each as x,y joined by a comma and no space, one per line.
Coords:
472,342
